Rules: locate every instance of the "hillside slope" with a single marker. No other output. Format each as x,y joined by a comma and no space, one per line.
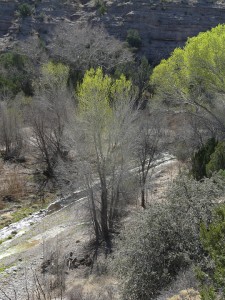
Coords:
162,25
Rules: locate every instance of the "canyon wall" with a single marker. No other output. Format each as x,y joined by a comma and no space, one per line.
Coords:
162,25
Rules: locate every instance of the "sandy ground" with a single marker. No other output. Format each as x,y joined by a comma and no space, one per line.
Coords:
54,237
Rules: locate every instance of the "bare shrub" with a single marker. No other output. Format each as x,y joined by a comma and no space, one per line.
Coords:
78,293
13,186
85,47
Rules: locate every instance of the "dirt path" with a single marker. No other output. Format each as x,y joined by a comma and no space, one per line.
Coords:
58,234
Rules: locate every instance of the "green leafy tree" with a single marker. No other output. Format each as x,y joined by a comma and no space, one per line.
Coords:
194,76
105,120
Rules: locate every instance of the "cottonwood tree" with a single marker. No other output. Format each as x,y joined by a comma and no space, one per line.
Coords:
49,112
106,119
193,77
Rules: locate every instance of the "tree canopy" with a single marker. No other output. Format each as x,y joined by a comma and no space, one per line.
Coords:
98,93
197,69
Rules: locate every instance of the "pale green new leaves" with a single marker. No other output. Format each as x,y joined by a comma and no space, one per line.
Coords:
55,74
93,92
121,89
196,69
98,93
104,104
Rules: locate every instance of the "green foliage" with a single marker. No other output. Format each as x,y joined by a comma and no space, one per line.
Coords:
217,160
98,93
165,238
25,10
196,69
201,158
94,91
10,85
105,116
55,75
208,293
22,213
11,59
15,73
100,4
2,268
133,38
212,236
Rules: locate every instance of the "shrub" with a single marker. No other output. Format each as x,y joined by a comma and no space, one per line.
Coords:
101,7
133,38
25,10
15,73
165,239
217,160
212,272
201,158
12,186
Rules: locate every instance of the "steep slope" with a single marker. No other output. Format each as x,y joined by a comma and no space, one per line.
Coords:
162,24
7,9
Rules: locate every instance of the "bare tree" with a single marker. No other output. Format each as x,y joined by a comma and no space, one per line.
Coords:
147,148
10,130
48,114
104,148
84,46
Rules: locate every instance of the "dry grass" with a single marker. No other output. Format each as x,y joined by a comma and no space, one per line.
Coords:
13,186
189,294
1,165
78,293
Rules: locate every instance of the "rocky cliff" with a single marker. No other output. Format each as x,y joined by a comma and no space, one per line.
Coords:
162,24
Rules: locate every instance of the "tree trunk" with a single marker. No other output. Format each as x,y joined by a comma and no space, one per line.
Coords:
94,216
143,198
104,213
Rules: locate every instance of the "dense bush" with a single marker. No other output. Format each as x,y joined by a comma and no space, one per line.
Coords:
133,38
16,73
100,4
165,239
217,160
212,272
201,158
25,10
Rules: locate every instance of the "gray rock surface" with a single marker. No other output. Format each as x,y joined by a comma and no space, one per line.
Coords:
162,24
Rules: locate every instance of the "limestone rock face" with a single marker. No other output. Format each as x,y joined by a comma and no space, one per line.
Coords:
162,24
7,10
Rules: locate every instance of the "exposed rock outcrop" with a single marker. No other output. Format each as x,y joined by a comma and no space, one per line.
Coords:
162,24
7,11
